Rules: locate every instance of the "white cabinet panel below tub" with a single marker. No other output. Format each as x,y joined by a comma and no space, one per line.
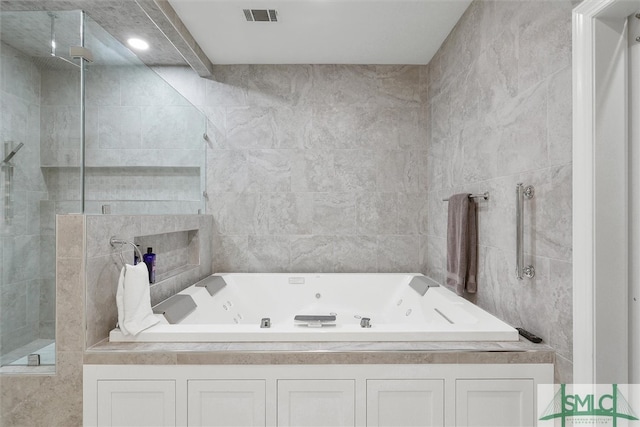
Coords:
325,403
137,403
494,403
405,403
447,395
226,403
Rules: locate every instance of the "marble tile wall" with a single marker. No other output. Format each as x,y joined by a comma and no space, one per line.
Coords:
314,167
500,111
165,232
26,298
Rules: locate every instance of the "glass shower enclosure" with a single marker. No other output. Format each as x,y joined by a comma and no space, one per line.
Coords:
99,133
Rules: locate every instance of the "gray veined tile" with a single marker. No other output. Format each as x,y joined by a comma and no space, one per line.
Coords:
355,170
227,171
312,171
269,254
250,128
398,254
312,254
355,254
344,84
377,213
544,41
398,171
279,85
268,170
290,213
334,213
230,253
397,85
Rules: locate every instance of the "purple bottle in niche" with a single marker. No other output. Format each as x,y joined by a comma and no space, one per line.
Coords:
150,259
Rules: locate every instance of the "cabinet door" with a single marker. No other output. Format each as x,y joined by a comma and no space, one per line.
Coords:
494,403
324,403
405,403
226,403
134,403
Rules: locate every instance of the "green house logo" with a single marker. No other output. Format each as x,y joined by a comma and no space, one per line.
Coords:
600,408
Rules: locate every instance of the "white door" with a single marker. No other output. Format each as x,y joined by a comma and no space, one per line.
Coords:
226,403
321,403
495,403
634,200
136,403
405,403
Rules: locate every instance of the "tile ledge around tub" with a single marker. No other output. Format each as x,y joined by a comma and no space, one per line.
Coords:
300,352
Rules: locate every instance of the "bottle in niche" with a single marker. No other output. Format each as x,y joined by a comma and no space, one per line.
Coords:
150,260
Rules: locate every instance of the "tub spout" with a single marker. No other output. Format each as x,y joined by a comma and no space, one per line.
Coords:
365,322
265,322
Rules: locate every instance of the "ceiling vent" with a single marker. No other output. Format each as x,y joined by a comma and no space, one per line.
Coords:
261,15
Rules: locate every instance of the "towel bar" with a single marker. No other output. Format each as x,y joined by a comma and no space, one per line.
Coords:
483,196
114,241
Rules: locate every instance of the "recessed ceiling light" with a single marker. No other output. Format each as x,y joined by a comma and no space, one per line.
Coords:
138,44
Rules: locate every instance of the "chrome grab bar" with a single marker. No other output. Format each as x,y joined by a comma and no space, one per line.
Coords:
522,270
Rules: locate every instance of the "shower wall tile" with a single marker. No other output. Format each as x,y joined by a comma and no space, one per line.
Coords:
20,76
500,113
102,86
185,81
140,86
60,87
171,127
119,127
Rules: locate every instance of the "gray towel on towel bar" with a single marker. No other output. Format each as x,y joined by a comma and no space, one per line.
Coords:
462,239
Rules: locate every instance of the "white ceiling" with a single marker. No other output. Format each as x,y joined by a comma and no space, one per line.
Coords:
321,31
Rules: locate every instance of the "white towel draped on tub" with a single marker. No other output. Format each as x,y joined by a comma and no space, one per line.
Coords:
133,299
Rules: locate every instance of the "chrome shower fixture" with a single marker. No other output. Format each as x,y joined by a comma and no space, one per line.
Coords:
12,153
7,167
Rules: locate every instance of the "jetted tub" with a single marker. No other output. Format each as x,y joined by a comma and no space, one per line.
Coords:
330,307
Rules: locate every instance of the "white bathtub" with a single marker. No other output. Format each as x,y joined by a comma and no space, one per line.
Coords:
397,311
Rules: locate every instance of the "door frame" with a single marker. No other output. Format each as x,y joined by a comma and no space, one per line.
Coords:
600,191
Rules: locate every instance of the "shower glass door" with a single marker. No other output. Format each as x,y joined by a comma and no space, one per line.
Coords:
145,152
40,136
112,137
